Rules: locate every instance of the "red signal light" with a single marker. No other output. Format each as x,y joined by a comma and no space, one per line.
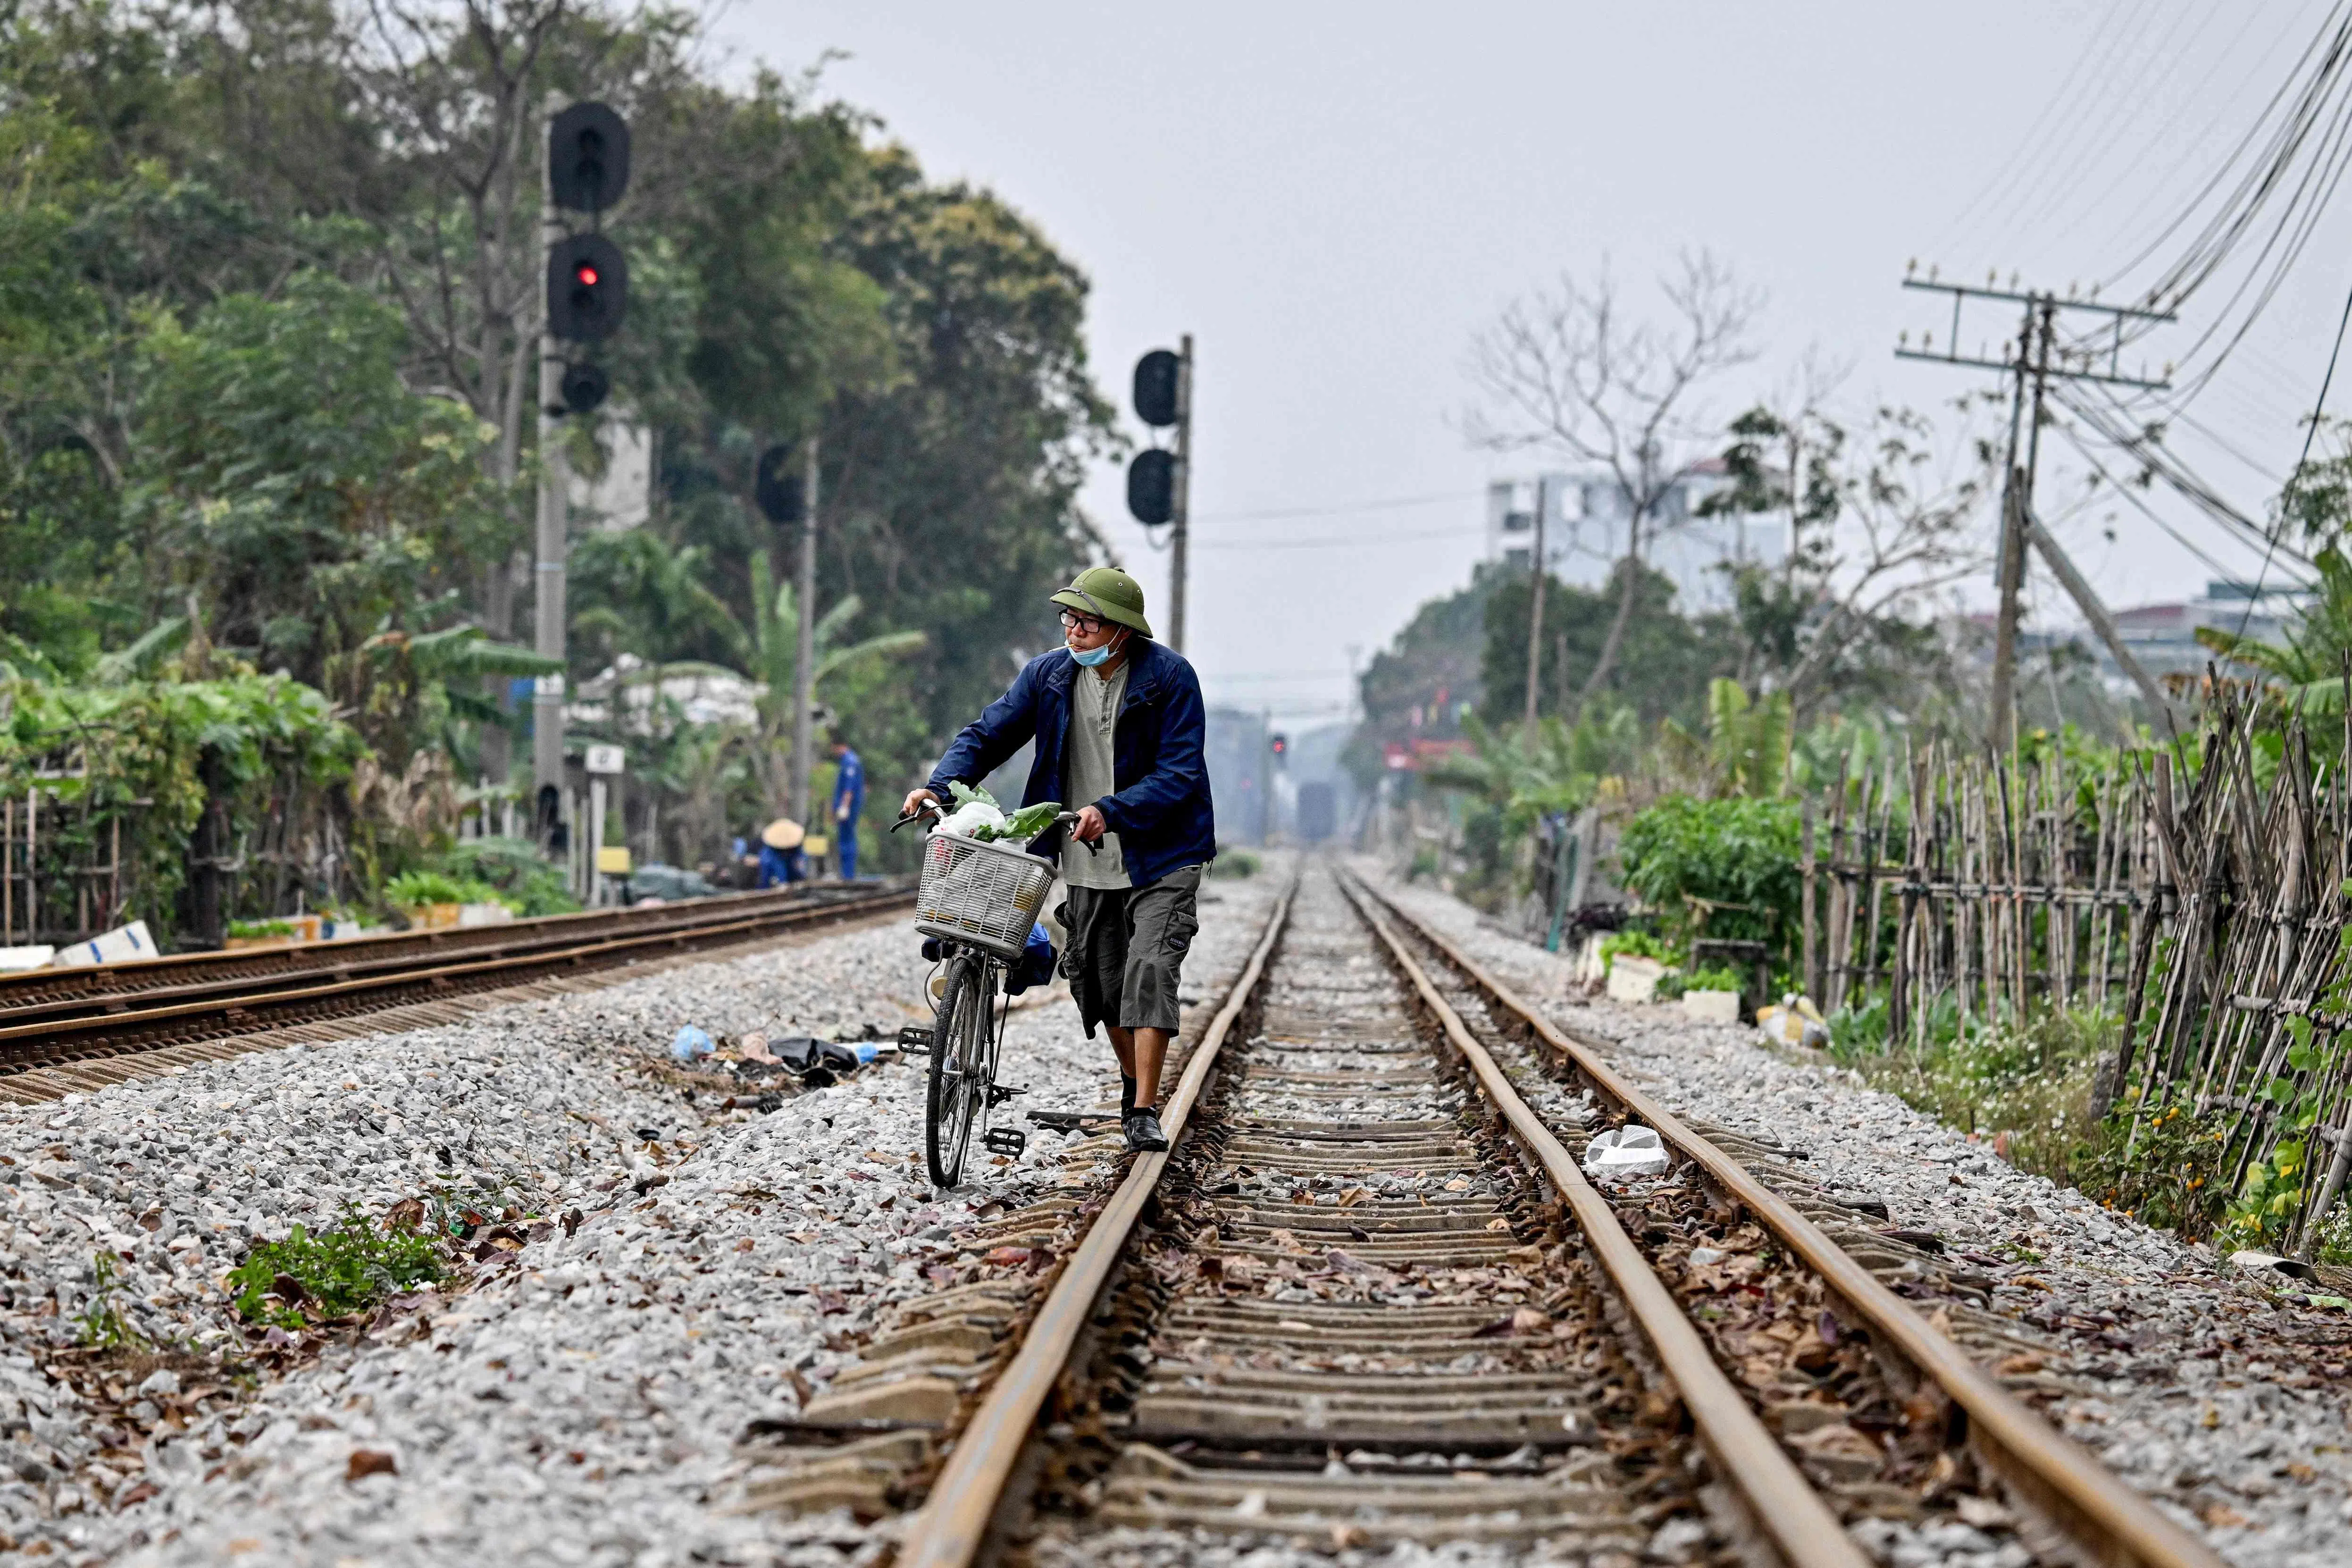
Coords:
587,275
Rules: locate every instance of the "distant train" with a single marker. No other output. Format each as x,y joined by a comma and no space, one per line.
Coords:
1319,811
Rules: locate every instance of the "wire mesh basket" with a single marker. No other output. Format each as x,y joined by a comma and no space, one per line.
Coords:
985,894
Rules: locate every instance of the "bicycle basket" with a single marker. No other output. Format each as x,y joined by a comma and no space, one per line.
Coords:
984,894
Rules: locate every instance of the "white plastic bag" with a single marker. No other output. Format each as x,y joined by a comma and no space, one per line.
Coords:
1632,1150
972,815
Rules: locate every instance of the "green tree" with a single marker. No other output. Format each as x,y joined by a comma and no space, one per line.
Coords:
289,477
1666,658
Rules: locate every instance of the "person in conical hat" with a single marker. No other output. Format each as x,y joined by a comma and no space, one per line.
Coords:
781,861
1119,724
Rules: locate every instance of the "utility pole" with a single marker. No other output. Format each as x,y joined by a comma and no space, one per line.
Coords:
2016,487
2036,336
555,513
1179,538
805,658
1534,614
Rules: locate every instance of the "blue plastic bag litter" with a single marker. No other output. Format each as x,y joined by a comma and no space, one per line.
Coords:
690,1044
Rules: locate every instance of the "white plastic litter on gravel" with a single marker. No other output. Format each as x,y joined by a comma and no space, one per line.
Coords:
583,1401
2208,1394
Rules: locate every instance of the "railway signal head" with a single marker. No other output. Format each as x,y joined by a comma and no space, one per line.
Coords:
1151,486
1280,745
587,288
777,488
588,158
1157,393
585,387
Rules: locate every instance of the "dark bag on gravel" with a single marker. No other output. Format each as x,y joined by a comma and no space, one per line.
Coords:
806,1058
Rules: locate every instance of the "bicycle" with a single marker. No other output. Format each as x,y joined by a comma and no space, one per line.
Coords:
979,901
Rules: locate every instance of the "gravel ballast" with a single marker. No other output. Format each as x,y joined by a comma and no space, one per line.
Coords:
579,1396
2194,1381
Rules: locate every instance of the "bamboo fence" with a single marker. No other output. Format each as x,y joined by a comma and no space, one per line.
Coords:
2197,890
1983,884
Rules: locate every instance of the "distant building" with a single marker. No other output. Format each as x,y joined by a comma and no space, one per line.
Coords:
622,498
2163,637
1587,516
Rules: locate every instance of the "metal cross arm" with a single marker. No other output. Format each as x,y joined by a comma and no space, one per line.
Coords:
1972,363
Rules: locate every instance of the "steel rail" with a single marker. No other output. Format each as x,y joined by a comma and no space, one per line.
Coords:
2072,1493
244,1005
948,1531
1780,1501
102,985
519,943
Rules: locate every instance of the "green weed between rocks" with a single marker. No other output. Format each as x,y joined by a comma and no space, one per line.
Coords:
2026,1090
101,1325
351,1264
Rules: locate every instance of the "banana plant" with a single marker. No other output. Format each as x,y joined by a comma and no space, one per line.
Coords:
2307,670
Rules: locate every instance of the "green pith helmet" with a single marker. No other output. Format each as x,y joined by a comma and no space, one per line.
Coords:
1110,593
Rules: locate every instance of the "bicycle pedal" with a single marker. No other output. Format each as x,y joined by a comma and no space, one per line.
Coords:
998,1093
1006,1141
914,1035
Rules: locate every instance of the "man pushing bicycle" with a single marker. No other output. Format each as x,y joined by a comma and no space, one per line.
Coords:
1118,722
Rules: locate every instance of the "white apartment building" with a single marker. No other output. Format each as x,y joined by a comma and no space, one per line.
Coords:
1586,518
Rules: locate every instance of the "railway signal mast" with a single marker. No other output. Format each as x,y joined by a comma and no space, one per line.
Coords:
1159,479
2027,358
587,298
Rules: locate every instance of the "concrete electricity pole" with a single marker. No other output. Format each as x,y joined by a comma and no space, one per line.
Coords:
1535,613
805,658
2031,359
1178,552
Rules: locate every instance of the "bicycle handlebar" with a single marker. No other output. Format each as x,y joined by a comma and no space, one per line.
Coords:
932,810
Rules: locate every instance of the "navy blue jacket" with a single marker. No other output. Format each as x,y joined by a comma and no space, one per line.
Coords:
1161,807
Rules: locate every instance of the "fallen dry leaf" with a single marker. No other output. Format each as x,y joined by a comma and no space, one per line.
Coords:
370,1462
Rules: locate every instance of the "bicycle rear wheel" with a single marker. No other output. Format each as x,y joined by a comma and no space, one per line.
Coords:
959,1079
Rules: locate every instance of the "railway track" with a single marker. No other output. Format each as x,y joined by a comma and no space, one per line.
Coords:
1370,1297
59,1018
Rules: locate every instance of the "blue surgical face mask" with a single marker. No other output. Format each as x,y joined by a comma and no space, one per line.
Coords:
1091,657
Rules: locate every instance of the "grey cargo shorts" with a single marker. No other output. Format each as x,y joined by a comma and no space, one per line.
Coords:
1126,948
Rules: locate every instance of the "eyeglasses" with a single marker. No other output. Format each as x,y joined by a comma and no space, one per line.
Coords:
1072,621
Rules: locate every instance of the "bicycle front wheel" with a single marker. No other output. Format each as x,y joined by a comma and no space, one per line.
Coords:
958,1082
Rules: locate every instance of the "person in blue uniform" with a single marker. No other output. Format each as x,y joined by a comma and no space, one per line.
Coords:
848,800
780,860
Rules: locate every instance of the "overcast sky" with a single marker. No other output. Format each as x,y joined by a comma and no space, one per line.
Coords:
1333,199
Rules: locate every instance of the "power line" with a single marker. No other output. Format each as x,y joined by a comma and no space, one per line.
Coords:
2012,168
2167,466
2310,430
2131,494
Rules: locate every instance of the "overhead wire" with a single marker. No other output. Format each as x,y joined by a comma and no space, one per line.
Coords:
2184,212
2130,493
2105,142
2118,75
2163,464
2196,145
2310,430
2006,177
2317,99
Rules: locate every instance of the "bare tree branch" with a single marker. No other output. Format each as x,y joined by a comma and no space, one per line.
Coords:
1560,372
